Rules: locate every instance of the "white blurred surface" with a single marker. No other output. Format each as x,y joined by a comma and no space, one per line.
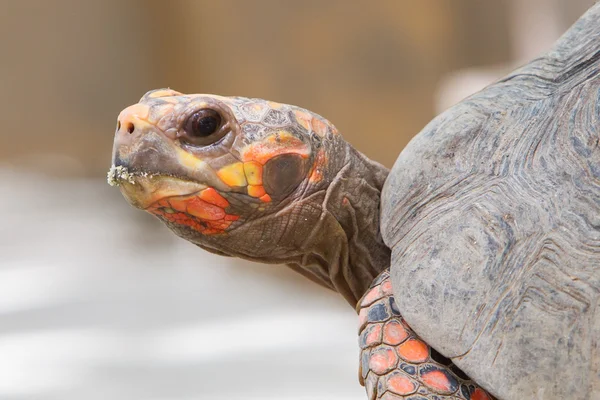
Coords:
100,301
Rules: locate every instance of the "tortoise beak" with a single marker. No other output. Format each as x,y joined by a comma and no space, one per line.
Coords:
142,155
141,190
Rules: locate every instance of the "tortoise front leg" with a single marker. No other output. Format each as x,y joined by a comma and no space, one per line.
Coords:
395,363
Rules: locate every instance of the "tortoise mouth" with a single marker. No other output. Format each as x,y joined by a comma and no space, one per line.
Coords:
144,189
175,200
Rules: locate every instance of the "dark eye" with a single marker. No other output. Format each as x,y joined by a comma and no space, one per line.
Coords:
201,127
204,122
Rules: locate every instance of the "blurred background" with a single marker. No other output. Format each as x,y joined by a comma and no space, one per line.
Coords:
99,301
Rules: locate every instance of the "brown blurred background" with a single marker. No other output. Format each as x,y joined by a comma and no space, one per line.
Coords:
371,67
100,301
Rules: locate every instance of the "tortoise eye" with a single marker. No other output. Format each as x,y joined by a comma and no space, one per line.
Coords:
203,127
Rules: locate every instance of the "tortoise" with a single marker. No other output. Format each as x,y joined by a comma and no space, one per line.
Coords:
474,264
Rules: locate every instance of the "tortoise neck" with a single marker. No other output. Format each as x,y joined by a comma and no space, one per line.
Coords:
345,250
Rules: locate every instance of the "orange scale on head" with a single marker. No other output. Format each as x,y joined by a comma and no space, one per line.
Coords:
256,191
319,127
211,196
275,145
319,166
178,204
203,210
303,119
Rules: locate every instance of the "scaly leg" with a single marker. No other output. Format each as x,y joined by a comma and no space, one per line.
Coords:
395,363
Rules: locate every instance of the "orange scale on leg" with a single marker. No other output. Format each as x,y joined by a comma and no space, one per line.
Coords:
371,296
265,199
480,394
383,360
400,384
371,336
394,333
386,288
439,380
414,350
362,318
231,217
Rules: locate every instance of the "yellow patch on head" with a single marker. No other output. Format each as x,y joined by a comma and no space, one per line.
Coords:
189,161
233,174
253,171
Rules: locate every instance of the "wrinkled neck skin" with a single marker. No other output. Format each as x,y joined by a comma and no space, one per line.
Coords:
327,229
344,249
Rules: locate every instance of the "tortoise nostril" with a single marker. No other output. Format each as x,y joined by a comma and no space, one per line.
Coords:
118,125
130,127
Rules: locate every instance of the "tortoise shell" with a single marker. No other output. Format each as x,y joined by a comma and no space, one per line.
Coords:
493,216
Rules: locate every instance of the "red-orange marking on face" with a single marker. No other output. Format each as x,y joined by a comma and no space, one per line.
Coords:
256,191
211,196
413,350
480,394
319,127
303,119
437,380
319,166
383,360
273,146
400,384
204,212
394,333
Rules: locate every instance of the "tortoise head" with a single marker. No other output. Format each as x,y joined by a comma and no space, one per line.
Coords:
226,173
